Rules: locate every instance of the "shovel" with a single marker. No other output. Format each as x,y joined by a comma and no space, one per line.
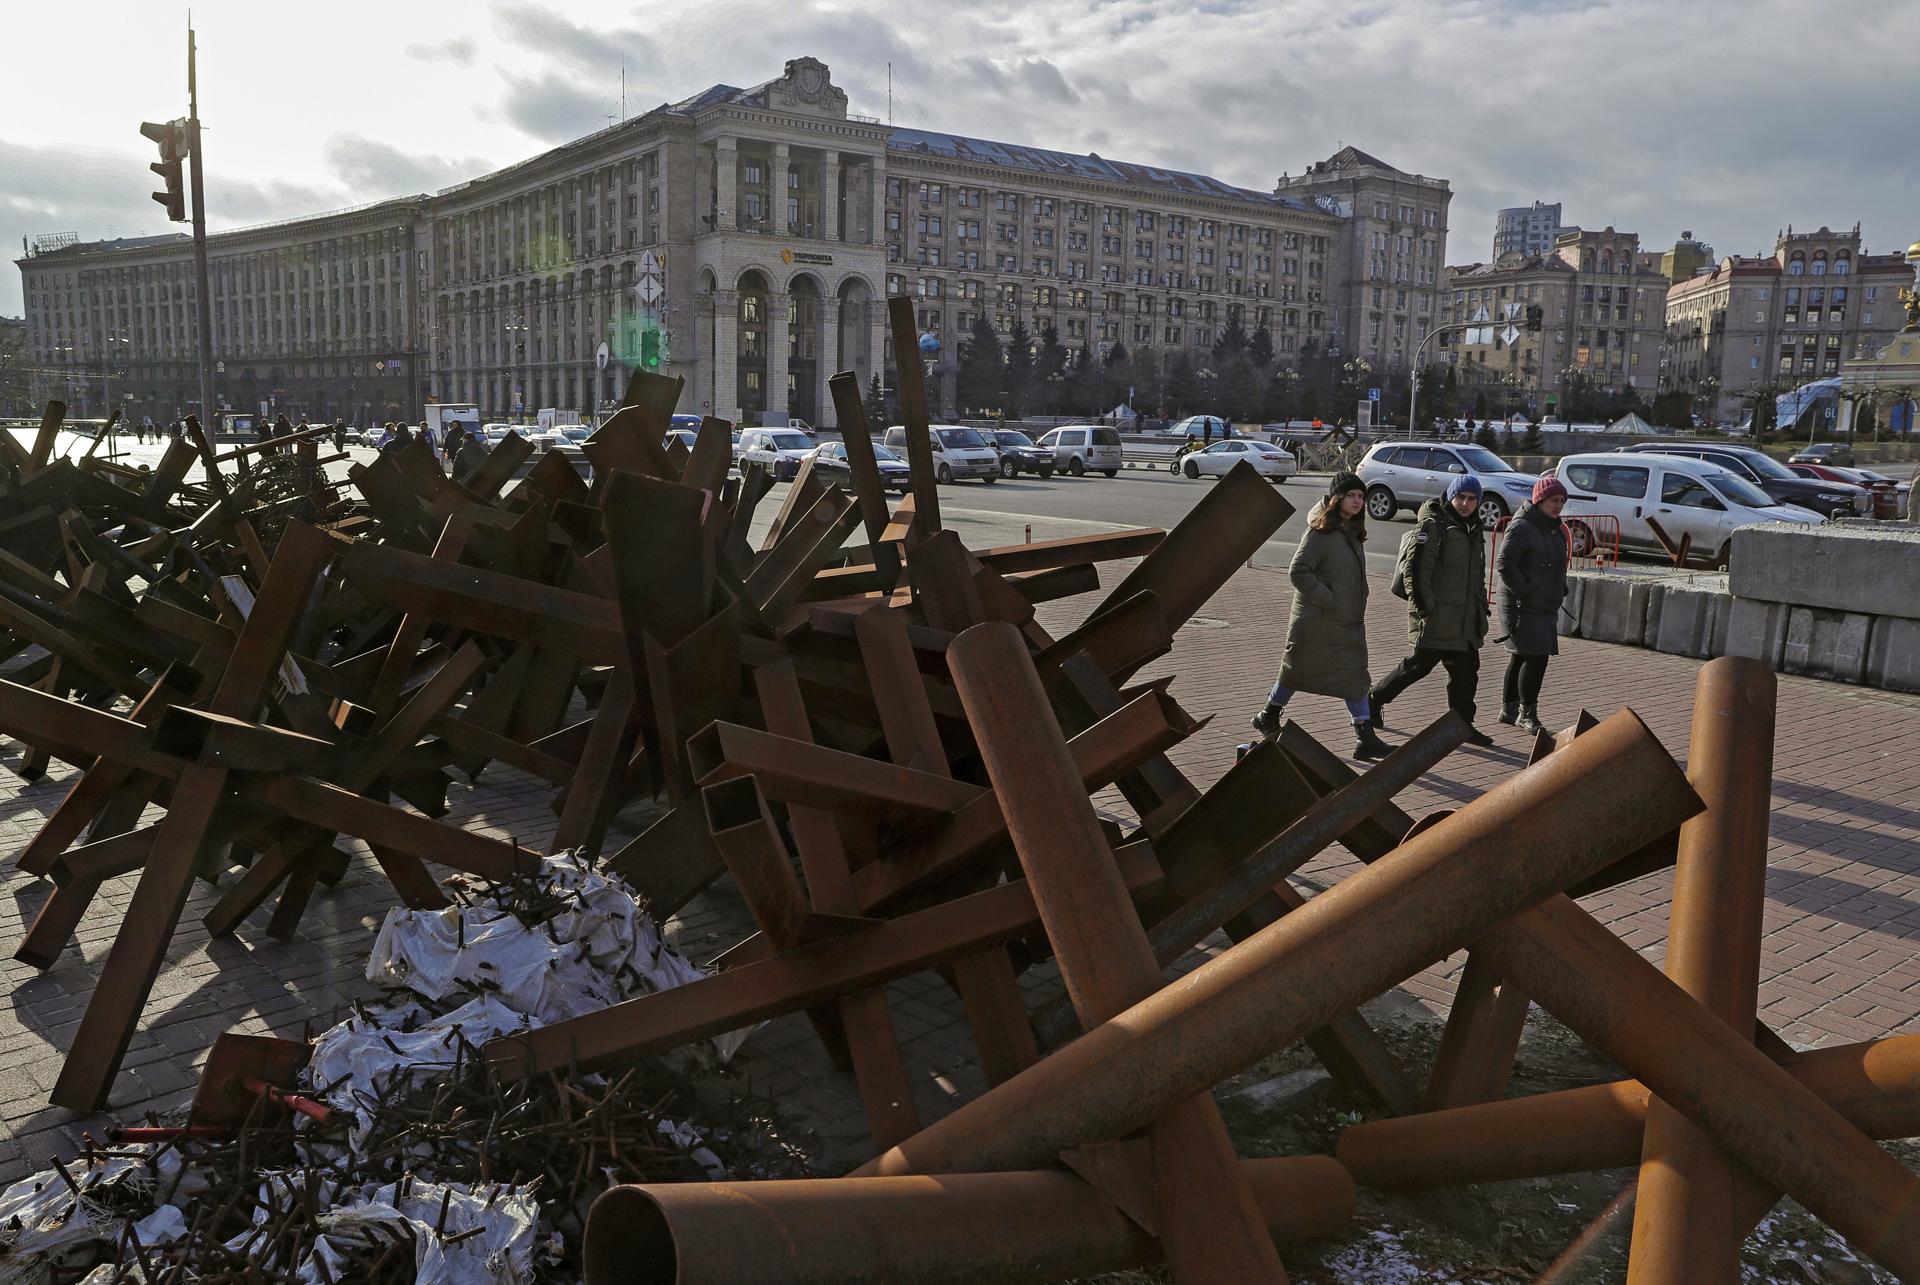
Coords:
240,1070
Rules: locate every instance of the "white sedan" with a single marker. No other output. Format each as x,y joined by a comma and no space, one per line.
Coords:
1268,460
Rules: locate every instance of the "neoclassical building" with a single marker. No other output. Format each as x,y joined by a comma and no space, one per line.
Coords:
758,231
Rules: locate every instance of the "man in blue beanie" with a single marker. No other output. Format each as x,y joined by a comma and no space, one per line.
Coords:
1443,576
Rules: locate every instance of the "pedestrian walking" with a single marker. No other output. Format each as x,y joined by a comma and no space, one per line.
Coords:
339,434
471,453
399,437
1532,572
1326,645
1444,573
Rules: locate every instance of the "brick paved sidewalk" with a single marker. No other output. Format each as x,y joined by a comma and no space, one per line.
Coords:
1842,917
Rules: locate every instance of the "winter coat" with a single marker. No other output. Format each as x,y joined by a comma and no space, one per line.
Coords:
1326,649
1447,610
1532,569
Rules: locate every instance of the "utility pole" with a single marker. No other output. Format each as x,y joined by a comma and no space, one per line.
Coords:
207,411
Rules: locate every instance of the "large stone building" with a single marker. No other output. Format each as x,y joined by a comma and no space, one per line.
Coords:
1602,318
1527,229
759,230
1760,325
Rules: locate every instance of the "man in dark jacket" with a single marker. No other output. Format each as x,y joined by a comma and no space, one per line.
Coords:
1446,603
1532,572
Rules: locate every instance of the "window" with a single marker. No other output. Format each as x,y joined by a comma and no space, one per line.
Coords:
1687,492
1609,479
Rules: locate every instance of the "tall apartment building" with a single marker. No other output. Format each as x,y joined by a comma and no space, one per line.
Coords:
1527,229
1687,257
1603,315
1775,321
762,229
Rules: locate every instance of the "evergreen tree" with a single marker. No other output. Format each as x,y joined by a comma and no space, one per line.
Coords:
982,372
1144,376
1309,402
876,404
1531,443
1480,403
1483,436
1183,385
1020,370
1450,394
1117,355
1260,349
1278,398
1239,390
1232,341
1050,370
1082,384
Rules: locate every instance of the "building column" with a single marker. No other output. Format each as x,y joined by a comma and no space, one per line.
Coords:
778,329
726,159
877,202
876,342
828,354
702,354
726,354
777,169
830,196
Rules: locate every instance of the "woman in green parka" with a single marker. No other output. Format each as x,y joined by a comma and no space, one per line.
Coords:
1326,648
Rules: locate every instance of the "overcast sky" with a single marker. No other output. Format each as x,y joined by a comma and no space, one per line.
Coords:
1730,118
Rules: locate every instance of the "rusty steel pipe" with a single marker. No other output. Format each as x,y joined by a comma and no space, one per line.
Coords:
1034,1226
1601,988
1300,842
1211,1225
1547,826
1875,1086
1684,1222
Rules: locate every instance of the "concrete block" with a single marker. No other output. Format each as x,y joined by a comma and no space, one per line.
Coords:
1614,609
1893,654
1871,568
1568,625
1827,644
1755,629
1650,622
1690,622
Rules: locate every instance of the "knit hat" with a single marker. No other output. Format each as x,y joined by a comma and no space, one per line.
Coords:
1465,484
1546,488
1342,483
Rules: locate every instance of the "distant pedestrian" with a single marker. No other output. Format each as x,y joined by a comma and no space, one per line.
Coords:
471,453
1326,644
1445,577
1532,573
398,439
339,434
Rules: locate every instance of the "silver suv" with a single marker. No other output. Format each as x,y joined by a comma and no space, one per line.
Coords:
1405,475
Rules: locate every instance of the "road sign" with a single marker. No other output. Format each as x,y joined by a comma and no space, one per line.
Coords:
1508,335
650,290
1373,394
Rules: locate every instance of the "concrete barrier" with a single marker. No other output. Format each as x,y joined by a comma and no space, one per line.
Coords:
1826,644
1893,654
1688,620
1757,630
1614,609
1867,568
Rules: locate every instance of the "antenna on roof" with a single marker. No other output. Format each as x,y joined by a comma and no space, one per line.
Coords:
623,91
889,95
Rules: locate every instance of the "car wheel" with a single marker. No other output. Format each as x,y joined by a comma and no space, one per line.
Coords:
1193,470
1111,472
1492,510
1580,541
1008,468
1380,504
943,475
1075,467
990,478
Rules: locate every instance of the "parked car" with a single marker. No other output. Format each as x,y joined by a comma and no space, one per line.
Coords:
1078,448
1826,498
1869,478
957,452
1823,453
780,449
1890,496
1405,475
1208,428
1268,460
1018,454
680,435
1689,498
830,464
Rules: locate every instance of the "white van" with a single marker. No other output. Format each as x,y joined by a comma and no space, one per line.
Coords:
958,451
1688,497
1078,448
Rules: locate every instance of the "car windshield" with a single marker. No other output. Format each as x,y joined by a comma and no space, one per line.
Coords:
576,434
790,440
1482,460
960,438
886,453
1007,437
1767,466
1737,490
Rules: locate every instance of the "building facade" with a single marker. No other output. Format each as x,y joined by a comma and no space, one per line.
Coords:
1761,325
1603,317
757,232
1687,257
1527,229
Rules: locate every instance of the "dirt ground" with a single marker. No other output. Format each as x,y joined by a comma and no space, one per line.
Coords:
1501,1233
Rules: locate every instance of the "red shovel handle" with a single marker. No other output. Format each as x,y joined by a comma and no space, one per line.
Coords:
305,1106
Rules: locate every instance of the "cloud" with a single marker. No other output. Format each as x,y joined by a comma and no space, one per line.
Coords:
374,169
540,30
458,50
551,106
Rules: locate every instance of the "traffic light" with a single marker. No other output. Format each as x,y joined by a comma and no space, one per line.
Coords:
171,136
1536,317
650,349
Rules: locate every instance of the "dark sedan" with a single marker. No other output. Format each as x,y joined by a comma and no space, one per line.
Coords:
1018,454
830,464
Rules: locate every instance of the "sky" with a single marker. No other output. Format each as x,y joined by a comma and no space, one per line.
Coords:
1727,118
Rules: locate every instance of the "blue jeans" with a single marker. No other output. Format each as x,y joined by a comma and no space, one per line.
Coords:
1281,694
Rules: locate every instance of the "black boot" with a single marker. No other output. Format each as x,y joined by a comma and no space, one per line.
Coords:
1509,713
1376,712
1368,746
1477,737
1267,721
1529,720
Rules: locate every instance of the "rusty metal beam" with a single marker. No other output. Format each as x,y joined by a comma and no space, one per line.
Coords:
799,772
1041,1225
1073,551
1543,828
43,441
911,392
856,433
